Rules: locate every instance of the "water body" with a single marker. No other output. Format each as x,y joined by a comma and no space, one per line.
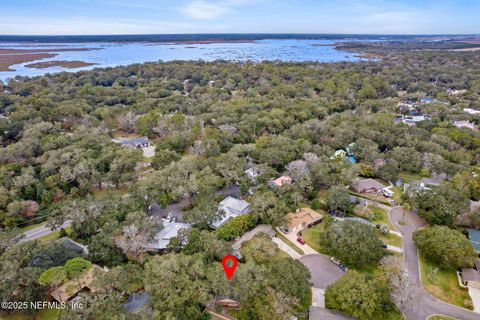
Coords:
111,54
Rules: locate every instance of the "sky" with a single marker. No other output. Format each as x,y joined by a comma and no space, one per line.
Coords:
86,17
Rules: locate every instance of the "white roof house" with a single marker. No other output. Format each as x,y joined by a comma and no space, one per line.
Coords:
471,111
132,142
232,207
162,238
252,173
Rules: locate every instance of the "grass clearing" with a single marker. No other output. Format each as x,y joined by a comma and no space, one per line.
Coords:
409,176
444,285
391,239
289,243
55,234
381,216
45,314
440,317
33,226
312,237
397,194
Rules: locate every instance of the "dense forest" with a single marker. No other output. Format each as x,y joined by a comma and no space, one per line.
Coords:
209,122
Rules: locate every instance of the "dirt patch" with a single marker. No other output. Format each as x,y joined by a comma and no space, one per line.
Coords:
64,64
466,49
7,60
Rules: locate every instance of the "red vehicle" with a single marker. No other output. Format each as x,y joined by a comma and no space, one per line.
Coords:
301,240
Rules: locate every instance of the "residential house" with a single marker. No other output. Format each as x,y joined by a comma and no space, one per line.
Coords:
280,182
137,302
471,111
455,92
232,207
73,245
253,173
464,124
415,186
411,120
261,228
340,154
169,231
471,276
85,282
303,218
136,143
426,100
367,186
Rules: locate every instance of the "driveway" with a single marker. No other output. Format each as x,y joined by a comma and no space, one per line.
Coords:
424,304
286,248
475,295
324,272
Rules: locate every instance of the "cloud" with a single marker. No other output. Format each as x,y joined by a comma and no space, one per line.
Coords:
21,25
202,9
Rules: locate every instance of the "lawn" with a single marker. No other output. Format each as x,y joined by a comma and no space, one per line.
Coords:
398,194
409,176
289,243
440,317
322,195
55,235
33,226
445,285
312,237
391,239
381,216
45,314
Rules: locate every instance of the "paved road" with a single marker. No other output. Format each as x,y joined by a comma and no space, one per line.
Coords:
424,304
324,272
41,231
176,208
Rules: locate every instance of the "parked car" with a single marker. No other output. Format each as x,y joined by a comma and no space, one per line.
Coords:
384,246
300,240
395,203
339,264
284,230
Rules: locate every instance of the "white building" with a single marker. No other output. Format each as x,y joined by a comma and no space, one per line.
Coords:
162,238
232,207
471,111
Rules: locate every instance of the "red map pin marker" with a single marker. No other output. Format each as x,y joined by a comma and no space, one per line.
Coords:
229,264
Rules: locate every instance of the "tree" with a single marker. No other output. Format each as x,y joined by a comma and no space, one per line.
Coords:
448,248
76,267
236,227
359,295
203,241
440,206
353,242
338,198
205,211
268,208
403,288
53,276
164,157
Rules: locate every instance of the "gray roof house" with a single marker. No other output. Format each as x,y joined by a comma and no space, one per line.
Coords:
232,207
367,185
162,238
136,301
133,142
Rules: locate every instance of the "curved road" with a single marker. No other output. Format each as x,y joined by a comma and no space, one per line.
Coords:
424,304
